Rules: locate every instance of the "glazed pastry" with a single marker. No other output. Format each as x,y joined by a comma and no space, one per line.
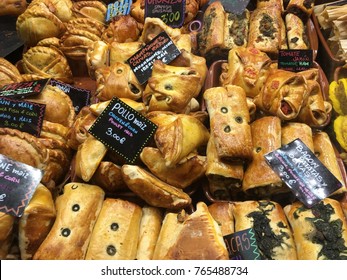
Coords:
60,8
171,88
12,7
296,33
301,8
222,214
282,94
121,52
8,73
293,130
115,235
151,221
272,231
77,211
152,190
36,222
259,179
52,130
320,232
229,122
90,9
181,175
97,56
195,237
7,223
246,67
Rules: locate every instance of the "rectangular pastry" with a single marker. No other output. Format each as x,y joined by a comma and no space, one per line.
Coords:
222,213
296,33
302,8
272,232
320,232
293,130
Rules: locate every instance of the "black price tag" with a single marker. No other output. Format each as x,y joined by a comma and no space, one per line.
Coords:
233,6
22,115
121,7
160,48
123,129
23,89
171,12
303,172
18,182
80,97
242,245
295,60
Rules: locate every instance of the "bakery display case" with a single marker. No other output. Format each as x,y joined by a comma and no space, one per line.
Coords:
163,142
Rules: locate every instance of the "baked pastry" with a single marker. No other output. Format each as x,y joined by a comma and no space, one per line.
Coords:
36,222
12,7
301,8
199,237
150,226
181,175
222,213
89,9
47,63
294,130
121,52
259,179
296,33
268,3
152,190
229,122
320,232
272,231
52,130
60,8
340,131
77,211
282,94
116,232
171,88
97,56
8,73
7,224
246,67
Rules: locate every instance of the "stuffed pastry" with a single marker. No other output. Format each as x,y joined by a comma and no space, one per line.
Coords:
293,130
222,213
296,33
302,8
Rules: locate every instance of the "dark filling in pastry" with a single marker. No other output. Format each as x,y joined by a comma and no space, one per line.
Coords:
238,31
266,26
285,108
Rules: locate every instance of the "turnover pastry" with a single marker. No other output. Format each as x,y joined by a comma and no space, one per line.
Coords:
89,9
7,226
8,73
60,8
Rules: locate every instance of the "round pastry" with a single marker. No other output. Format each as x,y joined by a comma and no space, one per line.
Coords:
90,9
8,73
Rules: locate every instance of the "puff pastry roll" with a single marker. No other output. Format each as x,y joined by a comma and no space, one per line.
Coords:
293,130
259,179
320,232
116,232
268,3
77,211
272,231
302,8
282,94
248,68
229,122
296,33
222,214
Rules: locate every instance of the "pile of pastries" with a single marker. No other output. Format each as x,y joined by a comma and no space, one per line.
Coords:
211,138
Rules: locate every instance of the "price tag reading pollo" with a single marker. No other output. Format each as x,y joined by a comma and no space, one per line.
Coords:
122,129
242,245
171,12
303,172
18,182
23,89
160,48
295,60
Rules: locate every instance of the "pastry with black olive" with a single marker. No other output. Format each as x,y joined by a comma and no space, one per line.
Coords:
301,8
296,33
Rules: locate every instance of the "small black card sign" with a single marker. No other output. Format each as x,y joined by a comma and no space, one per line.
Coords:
160,48
22,115
295,60
242,245
233,6
18,182
303,172
171,12
80,97
120,7
123,129
23,89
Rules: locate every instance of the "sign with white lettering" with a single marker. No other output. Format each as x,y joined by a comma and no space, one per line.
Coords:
120,7
23,89
122,129
18,182
295,60
303,172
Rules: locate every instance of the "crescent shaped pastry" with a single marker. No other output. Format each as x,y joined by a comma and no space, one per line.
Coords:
8,73
89,9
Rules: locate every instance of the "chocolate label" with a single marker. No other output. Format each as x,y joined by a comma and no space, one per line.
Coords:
303,172
121,7
295,60
23,89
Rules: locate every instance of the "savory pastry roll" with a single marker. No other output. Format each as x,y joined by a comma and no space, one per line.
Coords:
229,122
7,224
272,231
116,232
293,130
222,214
246,67
267,3
121,52
151,221
259,179
325,152
320,232
266,30
301,8
36,222
296,33
77,211
282,94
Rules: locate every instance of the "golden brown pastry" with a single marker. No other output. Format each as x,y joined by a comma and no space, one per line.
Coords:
36,222
52,130
259,179
60,8
296,33
12,7
222,214
293,130
8,73
7,223
150,226
282,94
272,231
121,52
152,190
320,232
268,3
97,56
246,67
181,175
89,9
77,211
302,8
116,232
229,122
